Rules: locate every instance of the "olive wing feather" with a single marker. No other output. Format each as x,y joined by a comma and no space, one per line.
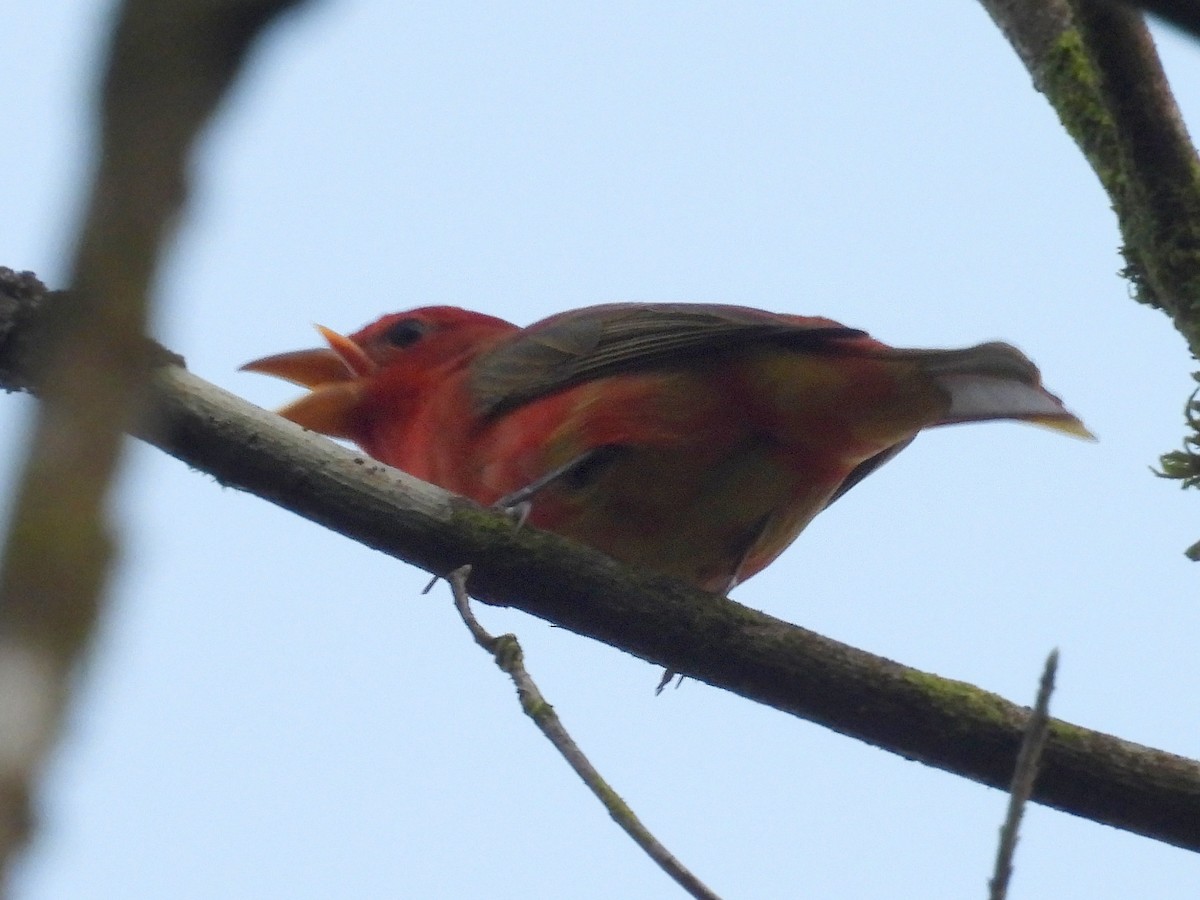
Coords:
619,338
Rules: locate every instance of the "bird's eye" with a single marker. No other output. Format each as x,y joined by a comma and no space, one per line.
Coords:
405,332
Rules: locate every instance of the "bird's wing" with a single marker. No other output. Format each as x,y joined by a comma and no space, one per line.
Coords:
865,468
618,338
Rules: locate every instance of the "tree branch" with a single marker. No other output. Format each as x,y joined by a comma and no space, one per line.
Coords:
943,723
1096,63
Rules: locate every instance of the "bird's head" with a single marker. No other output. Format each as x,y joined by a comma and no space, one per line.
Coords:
388,361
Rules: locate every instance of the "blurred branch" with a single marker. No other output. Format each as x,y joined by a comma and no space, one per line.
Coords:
1096,63
943,723
168,65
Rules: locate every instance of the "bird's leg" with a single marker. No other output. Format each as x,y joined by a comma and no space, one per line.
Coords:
576,473
518,512
734,580
668,674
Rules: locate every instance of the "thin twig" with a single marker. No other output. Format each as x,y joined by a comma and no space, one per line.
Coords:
509,657
1025,773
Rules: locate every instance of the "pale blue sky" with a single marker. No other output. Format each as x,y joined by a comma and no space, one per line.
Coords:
275,711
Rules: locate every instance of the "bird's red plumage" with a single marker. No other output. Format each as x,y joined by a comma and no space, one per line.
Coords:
695,440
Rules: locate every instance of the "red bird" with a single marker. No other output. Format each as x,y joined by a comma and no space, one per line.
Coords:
692,439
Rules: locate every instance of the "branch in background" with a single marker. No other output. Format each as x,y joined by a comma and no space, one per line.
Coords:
1096,63
943,723
1154,179
169,64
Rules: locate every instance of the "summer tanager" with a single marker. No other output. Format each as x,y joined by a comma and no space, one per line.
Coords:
692,439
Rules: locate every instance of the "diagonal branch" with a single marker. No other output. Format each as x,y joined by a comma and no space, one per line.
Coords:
943,723
1097,65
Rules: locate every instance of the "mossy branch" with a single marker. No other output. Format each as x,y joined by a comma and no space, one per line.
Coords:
1096,63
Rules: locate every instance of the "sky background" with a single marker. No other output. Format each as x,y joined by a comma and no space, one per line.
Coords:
272,710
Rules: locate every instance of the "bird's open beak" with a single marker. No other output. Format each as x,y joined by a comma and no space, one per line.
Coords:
335,376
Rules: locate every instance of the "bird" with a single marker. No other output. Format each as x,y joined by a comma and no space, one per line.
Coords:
694,440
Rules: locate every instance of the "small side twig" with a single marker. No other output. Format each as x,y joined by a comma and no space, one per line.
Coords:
507,653
1028,759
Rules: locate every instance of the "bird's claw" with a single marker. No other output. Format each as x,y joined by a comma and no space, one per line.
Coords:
517,511
667,675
